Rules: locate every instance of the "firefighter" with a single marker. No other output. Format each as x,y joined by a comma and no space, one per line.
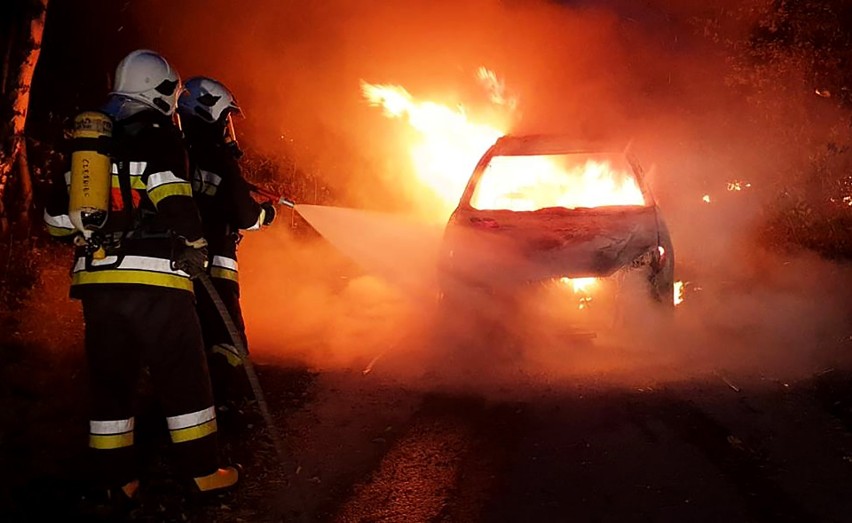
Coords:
133,276
224,198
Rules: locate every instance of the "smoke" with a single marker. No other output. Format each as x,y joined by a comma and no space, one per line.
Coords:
655,75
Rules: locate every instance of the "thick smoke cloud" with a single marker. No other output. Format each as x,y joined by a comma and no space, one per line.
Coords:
654,75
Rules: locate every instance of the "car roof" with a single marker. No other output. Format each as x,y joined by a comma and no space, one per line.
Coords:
535,144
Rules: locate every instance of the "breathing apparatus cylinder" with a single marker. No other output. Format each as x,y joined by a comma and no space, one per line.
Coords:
90,172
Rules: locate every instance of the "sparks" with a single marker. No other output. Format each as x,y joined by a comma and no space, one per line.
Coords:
737,185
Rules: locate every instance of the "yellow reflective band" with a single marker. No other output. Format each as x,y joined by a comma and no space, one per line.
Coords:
193,433
230,354
135,182
110,441
161,192
131,276
225,274
59,232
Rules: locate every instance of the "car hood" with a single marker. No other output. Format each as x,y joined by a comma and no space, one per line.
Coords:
511,246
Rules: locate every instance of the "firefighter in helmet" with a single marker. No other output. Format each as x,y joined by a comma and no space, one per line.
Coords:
224,198
133,272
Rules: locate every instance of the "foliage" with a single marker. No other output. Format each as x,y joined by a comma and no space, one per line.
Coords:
793,69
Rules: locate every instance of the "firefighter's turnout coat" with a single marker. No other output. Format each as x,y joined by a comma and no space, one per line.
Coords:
225,202
151,199
139,310
227,207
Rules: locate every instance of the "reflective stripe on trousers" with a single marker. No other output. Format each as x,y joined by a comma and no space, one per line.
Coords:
192,426
111,434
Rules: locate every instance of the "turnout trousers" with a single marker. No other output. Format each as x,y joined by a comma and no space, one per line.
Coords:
135,326
226,368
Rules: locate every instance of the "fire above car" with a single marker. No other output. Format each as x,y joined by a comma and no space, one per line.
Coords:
545,207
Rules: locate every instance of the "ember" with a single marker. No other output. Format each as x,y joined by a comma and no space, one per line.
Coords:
678,292
737,185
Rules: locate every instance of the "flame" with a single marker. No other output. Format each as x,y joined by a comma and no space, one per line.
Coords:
496,88
678,292
448,144
581,287
529,183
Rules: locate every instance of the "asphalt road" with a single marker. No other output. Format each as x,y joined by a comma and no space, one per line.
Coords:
368,449
378,447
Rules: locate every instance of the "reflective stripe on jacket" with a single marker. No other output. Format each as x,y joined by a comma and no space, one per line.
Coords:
146,270
150,201
224,267
226,205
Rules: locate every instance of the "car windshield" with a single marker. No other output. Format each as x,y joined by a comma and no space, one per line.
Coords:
530,183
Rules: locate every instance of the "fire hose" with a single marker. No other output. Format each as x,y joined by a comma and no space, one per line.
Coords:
254,382
234,333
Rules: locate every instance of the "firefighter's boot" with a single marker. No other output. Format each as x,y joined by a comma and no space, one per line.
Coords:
223,479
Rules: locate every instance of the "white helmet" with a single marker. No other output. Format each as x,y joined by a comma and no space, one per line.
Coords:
207,99
147,77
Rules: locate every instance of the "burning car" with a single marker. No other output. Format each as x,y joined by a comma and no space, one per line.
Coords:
548,210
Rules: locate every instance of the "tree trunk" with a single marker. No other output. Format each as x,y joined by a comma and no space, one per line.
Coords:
26,187
7,60
20,99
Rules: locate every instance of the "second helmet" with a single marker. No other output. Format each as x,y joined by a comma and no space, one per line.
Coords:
207,99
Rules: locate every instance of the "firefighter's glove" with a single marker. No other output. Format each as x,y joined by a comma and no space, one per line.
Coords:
268,212
191,256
